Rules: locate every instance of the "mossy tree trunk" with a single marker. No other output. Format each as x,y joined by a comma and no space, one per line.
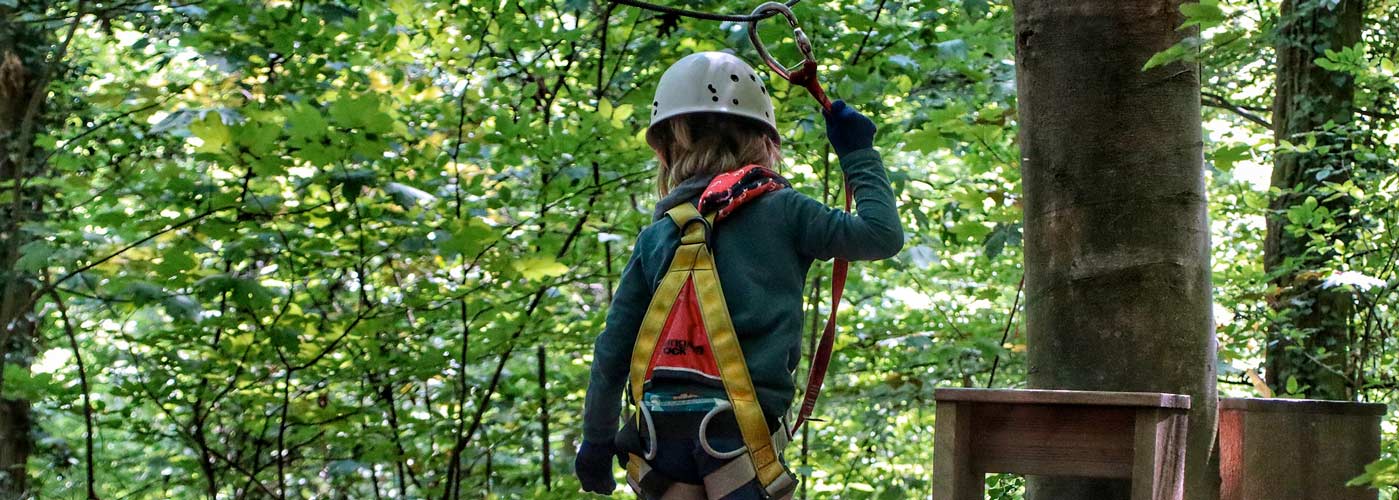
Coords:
1310,341
23,71
1117,262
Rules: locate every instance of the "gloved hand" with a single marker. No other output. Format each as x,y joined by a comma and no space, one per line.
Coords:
594,467
847,129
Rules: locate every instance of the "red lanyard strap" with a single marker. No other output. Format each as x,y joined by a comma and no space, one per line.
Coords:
805,76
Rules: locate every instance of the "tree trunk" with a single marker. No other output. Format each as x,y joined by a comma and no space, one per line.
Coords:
22,49
1310,341
1117,263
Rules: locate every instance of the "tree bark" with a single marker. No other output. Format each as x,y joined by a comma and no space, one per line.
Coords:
1310,340
22,51
1117,262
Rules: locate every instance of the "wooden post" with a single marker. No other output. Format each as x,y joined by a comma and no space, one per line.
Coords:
952,455
1155,458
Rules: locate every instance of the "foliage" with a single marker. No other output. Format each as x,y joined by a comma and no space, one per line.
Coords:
361,249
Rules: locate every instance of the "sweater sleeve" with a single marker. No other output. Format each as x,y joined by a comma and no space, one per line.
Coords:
612,352
872,232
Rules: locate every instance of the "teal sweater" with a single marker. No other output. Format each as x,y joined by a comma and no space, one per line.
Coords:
763,251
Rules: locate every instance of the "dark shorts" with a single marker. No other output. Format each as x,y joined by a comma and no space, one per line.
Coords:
681,458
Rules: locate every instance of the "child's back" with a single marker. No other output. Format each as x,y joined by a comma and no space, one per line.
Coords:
763,241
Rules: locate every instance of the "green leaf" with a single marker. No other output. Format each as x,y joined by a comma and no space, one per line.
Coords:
21,383
971,230
976,8
265,204
251,295
353,181
1002,235
211,286
952,49
535,268
1173,54
306,122
465,238
175,261
142,292
362,112
34,256
285,338
925,140
1205,14
182,307
212,133
258,138
1225,157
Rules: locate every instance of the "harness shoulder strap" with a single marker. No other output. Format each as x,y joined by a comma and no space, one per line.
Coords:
694,261
694,231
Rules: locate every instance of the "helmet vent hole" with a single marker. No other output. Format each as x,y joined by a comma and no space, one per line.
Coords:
752,77
712,90
735,102
733,77
764,89
715,98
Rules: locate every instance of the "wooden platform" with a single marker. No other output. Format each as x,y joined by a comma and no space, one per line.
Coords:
1138,436
1296,449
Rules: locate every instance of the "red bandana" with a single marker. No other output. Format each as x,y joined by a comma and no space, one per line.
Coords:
730,190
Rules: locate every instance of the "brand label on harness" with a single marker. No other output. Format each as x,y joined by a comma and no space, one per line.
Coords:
680,347
684,351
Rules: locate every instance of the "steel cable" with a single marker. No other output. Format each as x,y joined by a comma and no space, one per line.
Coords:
737,18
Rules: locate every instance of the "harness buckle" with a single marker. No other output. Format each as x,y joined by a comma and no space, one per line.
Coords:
708,230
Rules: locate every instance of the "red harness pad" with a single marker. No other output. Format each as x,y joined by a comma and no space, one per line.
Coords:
683,350
730,190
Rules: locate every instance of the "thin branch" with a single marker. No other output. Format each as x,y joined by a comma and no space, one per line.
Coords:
1215,101
49,287
1005,335
364,312
1377,114
87,394
1220,97
483,403
114,119
602,51
877,11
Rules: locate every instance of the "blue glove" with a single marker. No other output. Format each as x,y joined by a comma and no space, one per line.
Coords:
593,466
847,129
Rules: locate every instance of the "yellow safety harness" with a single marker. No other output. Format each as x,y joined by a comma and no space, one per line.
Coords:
694,263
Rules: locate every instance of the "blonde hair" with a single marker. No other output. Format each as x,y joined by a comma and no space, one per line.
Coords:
708,144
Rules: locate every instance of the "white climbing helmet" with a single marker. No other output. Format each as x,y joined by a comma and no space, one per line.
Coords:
712,82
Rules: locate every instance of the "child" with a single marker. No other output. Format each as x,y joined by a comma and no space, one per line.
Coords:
713,131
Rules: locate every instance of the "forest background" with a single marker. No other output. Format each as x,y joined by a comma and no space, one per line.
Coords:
360,249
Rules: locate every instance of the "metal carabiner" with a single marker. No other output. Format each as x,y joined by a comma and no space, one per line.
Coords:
720,407
803,43
652,447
